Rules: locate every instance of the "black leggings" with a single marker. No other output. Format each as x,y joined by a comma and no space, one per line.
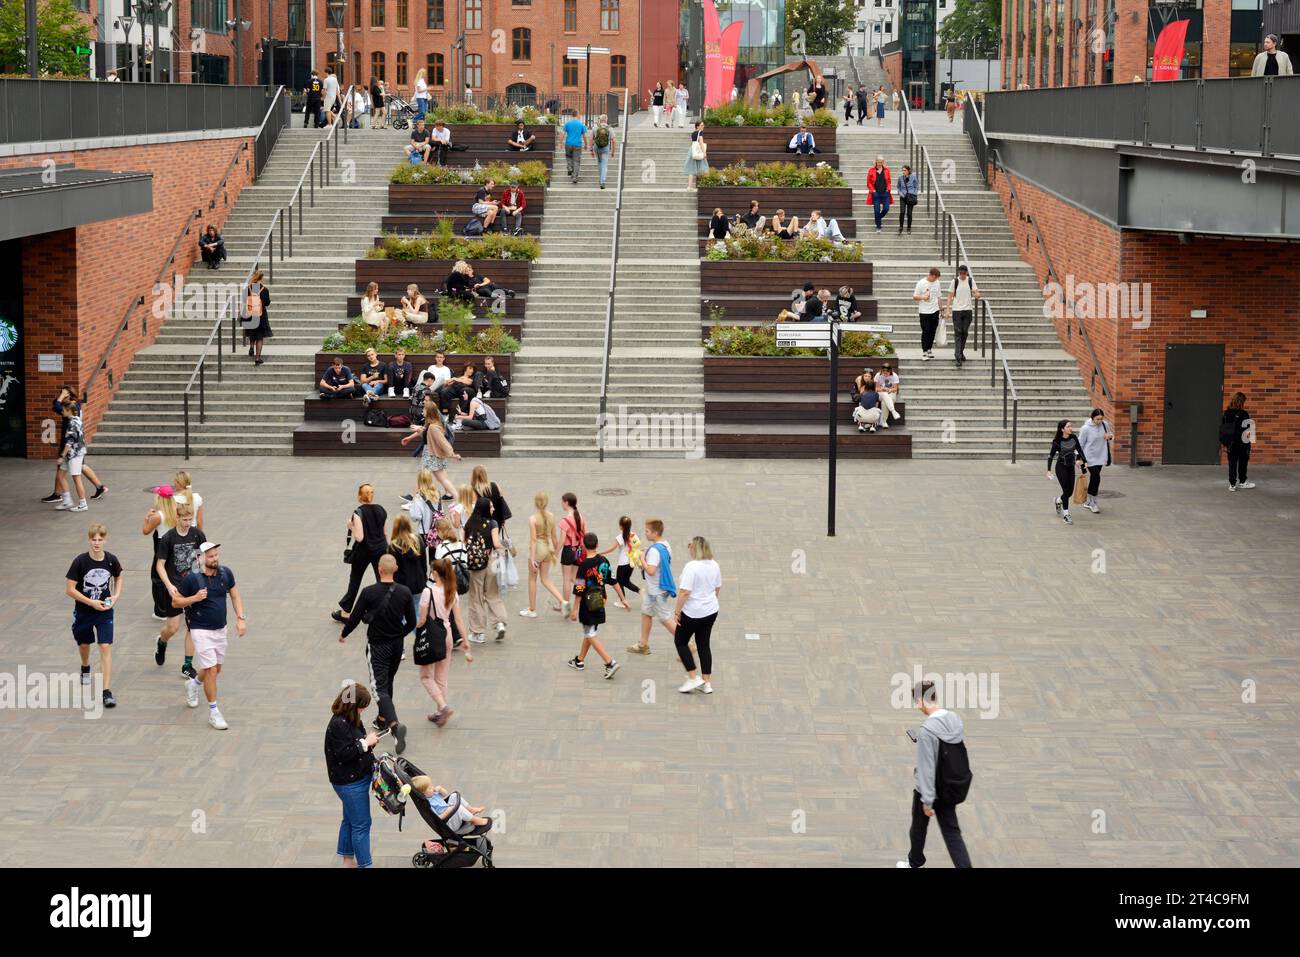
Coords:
625,579
1065,475
357,570
384,658
1238,461
1094,480
700,629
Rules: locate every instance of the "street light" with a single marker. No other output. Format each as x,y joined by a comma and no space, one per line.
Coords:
335,11
127,23
236,26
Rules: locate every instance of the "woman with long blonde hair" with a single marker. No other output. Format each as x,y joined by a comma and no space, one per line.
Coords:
373,311
543,546
408,548
183,491
437,450
485,488
697,610
439,607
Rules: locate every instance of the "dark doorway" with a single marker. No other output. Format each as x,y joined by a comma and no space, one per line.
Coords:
521,94
1193,404
13,406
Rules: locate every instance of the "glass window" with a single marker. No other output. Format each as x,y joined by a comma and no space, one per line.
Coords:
377,66
618,71
521,3
83,5
435,70
570,16
356,14
474,16
209,14
401,69
569,72
434,15
609,14
403,15
1241,57
376,13
356,67
474,70
521,44
297,20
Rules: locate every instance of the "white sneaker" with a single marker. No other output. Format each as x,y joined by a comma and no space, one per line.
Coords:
1092,507
392,393
904,864
1245,485
527,613
478,639
192,692
706,688
1231,487
81,507
60,506
501,630
566,607
691,684
216,720
85,678
406,393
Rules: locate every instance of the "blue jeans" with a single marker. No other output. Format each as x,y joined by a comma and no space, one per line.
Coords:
879,206
602,162
374,388
354,831
421,109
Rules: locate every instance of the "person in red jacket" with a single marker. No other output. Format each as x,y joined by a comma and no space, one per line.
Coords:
878,190
513,204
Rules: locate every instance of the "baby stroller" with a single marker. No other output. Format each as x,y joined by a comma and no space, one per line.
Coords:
391,786
401,113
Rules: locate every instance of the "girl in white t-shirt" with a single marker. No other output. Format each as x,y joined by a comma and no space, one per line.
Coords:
183,493
624,542
697,610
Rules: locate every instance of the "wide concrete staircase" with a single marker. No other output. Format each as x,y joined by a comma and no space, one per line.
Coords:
254,410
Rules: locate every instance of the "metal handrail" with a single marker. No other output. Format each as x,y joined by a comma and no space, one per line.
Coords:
200,370
613,283
953,249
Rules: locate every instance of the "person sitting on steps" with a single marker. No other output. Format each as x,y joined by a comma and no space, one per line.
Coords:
521,139
802,142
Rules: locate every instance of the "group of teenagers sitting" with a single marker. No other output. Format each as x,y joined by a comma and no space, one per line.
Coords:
815,227
874,395
811,304
432,145
461,284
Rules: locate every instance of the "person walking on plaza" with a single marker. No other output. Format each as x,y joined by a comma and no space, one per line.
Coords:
543,545
950,104
576,139
681,105
1237,434
572,531
908,194
625,543
1068,452
439,605
1095,438
68,395
878,191
71,456
697,156
378,117
386,607
880,105
602,145
848,104
657,103
350,763
257,307
961,310
928,297
176,556
407,550
421,94
315,92
657,569
202,594
589,597
160,519
94,583
862,98
1272,61
482,543
941,779
696,611
437,450
366,543
331,93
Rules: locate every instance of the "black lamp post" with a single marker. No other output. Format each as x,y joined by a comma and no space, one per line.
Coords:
237,26
335,11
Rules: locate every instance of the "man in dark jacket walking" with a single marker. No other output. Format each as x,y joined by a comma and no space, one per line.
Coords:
939,726
386,607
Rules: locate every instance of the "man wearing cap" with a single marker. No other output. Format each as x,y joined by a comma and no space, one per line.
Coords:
203,596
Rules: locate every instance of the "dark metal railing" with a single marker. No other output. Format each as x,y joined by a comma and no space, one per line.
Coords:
621,146
230,305
278,116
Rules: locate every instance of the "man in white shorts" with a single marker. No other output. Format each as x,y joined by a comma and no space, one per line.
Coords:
71,456
660,589
203,596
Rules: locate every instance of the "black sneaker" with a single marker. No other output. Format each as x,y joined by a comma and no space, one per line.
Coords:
576,664
109,700
189,672
611,668
399,732
160,653
99,492
51,498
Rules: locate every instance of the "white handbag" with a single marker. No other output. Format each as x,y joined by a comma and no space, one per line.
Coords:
698,150
941,336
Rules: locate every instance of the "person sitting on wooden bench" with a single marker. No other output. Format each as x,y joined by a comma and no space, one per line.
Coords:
489,382
485,207
867,413
753,219
783,229
374,375
480,417
419,144
846,305
440,142
521,139
802,142
463,285
513,203
818,228
338,382
803,305
887,385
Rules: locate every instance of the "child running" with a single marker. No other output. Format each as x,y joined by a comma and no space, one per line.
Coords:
589,598
628,545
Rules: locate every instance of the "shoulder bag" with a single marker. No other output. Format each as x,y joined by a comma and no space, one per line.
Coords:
430,641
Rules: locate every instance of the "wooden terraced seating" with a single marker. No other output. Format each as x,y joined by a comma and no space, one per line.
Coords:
762,310
835,203
421,225
394,275
766,139
514,314
407,202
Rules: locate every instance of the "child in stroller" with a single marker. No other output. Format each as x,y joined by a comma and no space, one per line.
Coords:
461,835
450,807
400,112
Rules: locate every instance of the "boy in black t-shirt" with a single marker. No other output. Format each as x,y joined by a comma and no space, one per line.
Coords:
589,595
176,556
95,584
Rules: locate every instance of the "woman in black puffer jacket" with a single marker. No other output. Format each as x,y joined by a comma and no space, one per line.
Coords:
350,760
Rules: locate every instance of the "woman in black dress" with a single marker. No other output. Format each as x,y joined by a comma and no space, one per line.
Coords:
378,119
350,761
369,543
1068,453
258,293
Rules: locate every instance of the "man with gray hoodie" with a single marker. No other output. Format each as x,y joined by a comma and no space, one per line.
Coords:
939,726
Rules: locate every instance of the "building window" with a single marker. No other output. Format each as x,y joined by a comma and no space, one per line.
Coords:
403,14
401,69
618,71
376,13
474,70
521,3
474,15
609,14
521,44
83,5
435,72
570,16
377,66
889,26
208,14
569,72
356,67
297,20
356,14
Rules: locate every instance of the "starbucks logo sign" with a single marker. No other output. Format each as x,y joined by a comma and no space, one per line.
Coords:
8,335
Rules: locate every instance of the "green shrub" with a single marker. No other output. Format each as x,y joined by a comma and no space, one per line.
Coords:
738,113
466,114
746,245
530,173
787,175
761,341
454,337
443,243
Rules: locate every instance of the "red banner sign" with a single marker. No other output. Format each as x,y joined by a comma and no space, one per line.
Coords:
1167,59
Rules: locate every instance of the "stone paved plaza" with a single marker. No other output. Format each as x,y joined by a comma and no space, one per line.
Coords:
1120,692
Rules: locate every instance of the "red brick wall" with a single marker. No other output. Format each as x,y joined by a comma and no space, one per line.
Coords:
894,69
80,281
1223,277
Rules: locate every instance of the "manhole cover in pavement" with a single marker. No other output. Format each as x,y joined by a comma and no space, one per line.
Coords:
1107,493
611,491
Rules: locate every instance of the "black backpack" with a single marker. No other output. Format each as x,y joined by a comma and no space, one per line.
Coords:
477,551
376,419
1228,431
952,775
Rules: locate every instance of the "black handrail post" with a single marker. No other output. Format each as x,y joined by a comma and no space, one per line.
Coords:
186,404
280,215
203,390
1134,408
1015,427
833,429
270,256
1004,400
221,372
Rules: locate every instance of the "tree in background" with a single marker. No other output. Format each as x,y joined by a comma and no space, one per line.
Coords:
973,27
59,31
825,24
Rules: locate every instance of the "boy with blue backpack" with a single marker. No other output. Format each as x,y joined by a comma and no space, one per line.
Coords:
589,595
660,587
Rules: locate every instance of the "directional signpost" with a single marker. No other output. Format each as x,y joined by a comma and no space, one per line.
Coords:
825,335
584,53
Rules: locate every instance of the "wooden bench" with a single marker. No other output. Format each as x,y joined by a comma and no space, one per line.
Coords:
316,409
514,307
789,441
765,139
422,225
420,360
775,406
734,278
848,225
394,275
479,325
835,203
430,202
333,438
763,310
